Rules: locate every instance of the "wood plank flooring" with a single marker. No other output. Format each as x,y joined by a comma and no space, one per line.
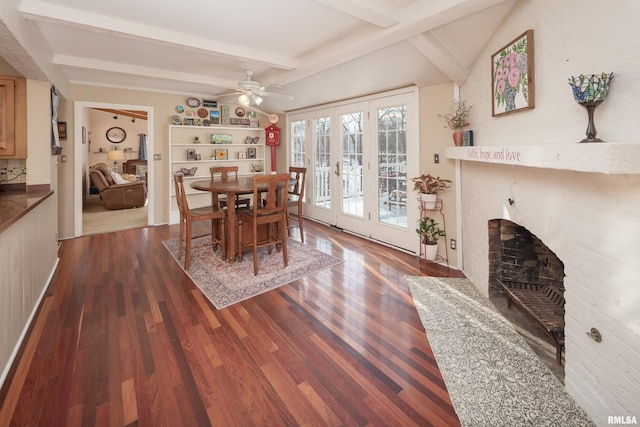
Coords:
124,338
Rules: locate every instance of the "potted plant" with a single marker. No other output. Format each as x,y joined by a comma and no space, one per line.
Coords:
429,186
457,119
429,232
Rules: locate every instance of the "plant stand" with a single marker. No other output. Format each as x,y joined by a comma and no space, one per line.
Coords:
423,213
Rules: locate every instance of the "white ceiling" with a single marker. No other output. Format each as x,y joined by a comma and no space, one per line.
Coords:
316,50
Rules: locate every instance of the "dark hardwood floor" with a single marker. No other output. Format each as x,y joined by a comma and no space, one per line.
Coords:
124,338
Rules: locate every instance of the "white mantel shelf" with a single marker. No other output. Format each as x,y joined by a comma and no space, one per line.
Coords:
599,157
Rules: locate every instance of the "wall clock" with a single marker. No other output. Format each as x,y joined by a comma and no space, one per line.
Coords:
116,135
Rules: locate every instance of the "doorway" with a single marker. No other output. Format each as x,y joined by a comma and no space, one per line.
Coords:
92,121
359,155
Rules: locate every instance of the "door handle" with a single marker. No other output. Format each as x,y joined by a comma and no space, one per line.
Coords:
338,168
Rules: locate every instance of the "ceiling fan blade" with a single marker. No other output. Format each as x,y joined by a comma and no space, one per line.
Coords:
276,96
229,94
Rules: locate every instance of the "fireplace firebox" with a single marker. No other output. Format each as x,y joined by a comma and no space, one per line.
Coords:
524,270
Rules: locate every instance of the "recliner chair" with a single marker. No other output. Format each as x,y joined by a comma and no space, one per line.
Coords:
117,196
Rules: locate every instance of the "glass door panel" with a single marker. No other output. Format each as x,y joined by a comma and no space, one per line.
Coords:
322,162
392,165
352,165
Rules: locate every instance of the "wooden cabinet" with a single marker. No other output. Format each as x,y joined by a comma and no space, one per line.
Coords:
231,146
13,117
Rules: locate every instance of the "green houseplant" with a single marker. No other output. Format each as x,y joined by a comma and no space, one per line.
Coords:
429,186
429,232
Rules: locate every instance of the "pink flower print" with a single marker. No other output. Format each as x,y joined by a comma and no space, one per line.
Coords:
514,76
499,73
512,59
500,86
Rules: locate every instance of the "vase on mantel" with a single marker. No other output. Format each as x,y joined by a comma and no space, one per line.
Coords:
457,137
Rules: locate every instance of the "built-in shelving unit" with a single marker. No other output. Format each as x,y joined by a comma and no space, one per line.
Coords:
182,144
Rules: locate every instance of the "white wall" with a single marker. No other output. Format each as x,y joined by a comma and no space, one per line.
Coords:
589,220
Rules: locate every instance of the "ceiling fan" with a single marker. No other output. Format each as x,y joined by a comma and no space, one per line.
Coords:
251,92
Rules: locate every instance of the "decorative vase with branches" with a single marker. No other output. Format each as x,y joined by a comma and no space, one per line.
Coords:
457,119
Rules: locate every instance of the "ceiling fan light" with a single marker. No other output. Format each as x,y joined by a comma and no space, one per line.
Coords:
257,99
244,100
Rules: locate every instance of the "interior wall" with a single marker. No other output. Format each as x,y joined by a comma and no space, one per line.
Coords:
582,217
163,105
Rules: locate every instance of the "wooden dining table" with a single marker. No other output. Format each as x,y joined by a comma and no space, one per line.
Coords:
242,185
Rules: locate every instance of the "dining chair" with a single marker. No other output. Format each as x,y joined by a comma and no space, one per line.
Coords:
296,197
190,215
225,172
272,214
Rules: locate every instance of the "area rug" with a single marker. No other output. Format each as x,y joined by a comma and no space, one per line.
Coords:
492,375
225,284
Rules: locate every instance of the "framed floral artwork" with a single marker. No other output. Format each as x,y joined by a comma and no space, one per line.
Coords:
512,83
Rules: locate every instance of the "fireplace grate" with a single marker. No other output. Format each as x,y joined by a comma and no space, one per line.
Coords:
544,303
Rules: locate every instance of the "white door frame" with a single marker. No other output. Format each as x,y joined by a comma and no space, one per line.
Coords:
79,111
384,233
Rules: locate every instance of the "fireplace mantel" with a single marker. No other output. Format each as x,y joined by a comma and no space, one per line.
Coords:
607,157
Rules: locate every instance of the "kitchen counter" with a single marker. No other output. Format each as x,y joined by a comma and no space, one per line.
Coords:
14,204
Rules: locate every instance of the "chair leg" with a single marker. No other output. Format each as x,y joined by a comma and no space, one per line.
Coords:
284,243
187,255
181,241
222,238
239,241
300,223
255,249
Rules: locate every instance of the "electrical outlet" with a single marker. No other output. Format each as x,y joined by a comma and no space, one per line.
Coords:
452,243
157,157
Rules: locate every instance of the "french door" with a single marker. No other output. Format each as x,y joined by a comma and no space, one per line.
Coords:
358,157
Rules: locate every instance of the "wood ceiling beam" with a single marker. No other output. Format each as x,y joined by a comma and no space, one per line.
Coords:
415,19
46,12
435,52
380,13
136,114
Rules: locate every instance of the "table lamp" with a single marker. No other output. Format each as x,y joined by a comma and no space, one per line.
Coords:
115,155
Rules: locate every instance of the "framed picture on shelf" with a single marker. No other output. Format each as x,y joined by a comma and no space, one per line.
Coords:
242,155
214,117
191,154
512,83
251,153
467,138
222,154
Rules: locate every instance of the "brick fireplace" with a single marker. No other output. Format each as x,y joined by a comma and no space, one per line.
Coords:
583,202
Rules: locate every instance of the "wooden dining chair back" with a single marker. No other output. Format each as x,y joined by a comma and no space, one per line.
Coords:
272,214
296,198
188,216
226,173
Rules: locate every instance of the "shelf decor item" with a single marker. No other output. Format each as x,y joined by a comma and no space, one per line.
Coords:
590,91
222,154
512,76
189,171
221,138
457,119
428,186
